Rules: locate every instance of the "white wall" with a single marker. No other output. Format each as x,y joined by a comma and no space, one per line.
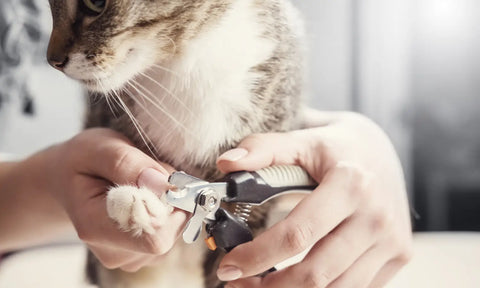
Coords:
58,101
368,60
384,70
328,25
58,115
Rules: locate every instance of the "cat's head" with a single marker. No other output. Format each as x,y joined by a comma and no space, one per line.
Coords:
105,43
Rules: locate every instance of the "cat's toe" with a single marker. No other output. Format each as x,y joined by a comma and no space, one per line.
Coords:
136,210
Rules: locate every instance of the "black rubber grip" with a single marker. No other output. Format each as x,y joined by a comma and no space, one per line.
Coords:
251,187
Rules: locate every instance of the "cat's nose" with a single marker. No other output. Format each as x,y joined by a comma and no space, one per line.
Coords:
58,61
59,48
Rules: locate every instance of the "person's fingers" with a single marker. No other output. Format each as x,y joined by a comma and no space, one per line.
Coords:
107,154
374,269
154,180
138,263
330,257
369,265
94,226
102,157
389,270
339,194
113,258
262,150
144,261
361,273
250,282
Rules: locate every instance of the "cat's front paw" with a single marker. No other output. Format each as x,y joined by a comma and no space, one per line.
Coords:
136,210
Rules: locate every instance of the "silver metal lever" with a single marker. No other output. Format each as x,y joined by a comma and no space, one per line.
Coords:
198,197
208,201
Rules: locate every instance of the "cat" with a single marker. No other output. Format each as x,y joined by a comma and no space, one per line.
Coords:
185,81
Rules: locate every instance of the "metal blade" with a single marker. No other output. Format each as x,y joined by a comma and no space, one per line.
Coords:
184,195
194,225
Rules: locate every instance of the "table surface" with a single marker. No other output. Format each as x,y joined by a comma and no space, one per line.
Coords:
440,260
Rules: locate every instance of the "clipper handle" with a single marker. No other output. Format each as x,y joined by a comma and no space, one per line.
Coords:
262,185
228,231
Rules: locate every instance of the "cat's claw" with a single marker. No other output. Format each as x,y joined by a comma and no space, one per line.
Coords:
136,210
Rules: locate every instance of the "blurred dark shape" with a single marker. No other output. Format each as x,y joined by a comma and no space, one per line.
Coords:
28,106
464,209
446,134
17,37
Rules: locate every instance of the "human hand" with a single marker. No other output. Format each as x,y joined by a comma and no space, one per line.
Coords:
83,170
357,219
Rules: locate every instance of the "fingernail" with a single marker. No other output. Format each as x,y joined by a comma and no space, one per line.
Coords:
233,155
229,273
153,180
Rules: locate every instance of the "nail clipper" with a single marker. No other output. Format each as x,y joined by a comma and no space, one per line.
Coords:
246,189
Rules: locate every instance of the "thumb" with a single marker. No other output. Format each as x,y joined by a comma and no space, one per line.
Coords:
258,151
109,155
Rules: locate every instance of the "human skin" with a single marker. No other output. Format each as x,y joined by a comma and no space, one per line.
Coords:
357,220
43,195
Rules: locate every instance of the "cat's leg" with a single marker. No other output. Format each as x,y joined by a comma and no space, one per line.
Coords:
136,210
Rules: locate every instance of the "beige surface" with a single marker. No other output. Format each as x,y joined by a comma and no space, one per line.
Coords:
58,266
441,260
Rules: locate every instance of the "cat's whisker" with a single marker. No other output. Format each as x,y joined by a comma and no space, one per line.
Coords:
159,107
164,69
152,98
169,129
176,98
125,89
110,106
141,132
145,109
173,43
95,98
143,135
107,95
160,98
144,97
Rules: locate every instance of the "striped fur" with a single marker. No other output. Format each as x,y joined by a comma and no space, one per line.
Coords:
197,76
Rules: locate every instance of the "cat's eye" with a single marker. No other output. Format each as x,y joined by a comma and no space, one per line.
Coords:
95,6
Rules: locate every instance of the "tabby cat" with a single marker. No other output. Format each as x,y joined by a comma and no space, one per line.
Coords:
185,80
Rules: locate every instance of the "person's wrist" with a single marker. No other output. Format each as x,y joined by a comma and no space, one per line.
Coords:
8,174
24,188
39,172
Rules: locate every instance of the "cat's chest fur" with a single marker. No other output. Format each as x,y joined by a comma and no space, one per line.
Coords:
201,102
206,90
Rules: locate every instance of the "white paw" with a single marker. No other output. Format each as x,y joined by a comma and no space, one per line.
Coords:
136,210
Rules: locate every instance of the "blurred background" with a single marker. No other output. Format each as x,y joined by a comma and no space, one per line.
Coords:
411,65
414,67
